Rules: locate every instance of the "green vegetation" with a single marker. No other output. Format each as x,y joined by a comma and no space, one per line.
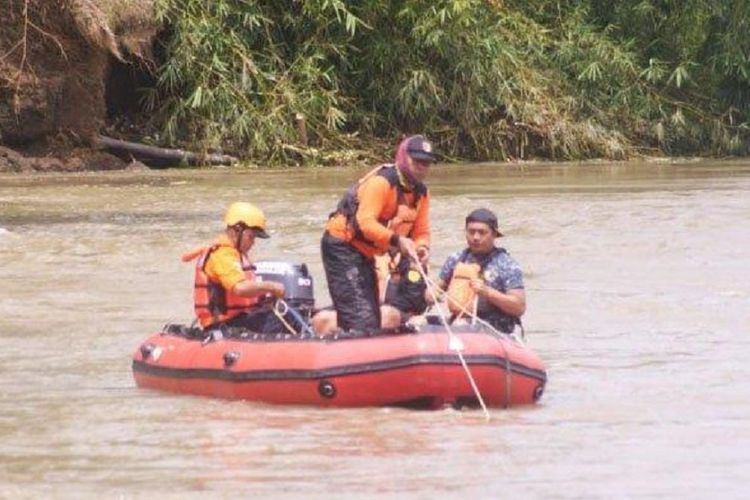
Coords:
487,80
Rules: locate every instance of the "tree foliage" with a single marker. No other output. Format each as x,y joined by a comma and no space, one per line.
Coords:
487,79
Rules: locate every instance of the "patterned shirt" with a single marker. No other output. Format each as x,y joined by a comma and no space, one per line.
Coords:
501,272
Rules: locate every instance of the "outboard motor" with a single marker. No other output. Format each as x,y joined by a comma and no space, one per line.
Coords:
297,282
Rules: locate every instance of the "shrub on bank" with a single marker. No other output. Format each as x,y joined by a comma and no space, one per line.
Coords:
488,80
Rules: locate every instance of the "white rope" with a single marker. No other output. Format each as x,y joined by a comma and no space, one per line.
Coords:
500,336
474,310
454,343
473,315
278,306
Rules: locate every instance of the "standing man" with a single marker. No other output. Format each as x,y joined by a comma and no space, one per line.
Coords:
226,291
385,211
484,277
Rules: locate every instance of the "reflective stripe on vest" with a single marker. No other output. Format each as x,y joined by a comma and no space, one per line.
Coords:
213,304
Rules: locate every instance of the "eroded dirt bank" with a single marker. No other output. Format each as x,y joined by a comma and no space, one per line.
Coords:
65,71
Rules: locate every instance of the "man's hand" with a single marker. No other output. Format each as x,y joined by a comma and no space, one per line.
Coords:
423,253
479,287
406,247
276,289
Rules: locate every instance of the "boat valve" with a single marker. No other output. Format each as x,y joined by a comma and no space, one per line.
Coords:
538,392
326,389
146,350
230,358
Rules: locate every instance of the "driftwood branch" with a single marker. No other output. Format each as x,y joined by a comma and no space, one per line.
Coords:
151,155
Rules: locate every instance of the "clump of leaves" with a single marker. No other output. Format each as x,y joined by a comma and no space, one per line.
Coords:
486,79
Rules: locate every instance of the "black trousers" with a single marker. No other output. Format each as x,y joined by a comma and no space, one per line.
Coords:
352,284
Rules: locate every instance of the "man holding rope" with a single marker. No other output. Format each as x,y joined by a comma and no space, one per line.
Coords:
483,279
385,212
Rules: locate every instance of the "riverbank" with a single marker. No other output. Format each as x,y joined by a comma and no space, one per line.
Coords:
80,160
64,155
74,159
335,83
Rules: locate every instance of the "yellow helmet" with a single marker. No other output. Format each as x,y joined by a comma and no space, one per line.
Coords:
247,214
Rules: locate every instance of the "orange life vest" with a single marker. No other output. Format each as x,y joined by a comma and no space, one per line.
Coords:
214,304
460,294
401,222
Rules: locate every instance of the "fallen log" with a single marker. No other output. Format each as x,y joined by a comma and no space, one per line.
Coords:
162,157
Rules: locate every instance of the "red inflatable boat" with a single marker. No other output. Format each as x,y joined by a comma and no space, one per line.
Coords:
418,370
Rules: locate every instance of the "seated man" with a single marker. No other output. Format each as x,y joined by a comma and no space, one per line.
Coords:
403,289
401,295
226,291
484,279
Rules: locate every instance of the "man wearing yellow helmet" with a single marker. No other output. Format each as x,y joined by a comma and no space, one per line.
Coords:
226,291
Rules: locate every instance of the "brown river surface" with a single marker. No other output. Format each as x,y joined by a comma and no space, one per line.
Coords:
638,283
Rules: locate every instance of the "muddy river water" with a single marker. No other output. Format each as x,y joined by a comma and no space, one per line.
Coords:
638,285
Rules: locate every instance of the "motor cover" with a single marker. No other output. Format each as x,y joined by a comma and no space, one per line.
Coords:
298,283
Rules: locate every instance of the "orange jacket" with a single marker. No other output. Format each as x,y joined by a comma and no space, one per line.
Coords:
378,206
215,302
460,294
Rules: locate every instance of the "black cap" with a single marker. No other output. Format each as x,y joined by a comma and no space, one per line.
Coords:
420,148
486,216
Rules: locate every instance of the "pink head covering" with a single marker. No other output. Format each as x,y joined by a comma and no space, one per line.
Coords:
402,161
417,147
401,155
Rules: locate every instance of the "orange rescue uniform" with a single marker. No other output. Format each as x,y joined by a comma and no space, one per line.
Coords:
385,205
218,269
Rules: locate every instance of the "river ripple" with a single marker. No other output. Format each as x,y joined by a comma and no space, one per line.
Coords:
639,291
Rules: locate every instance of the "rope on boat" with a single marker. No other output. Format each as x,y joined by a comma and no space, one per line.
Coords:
279,306
475,318
307,328
454,343
474,310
